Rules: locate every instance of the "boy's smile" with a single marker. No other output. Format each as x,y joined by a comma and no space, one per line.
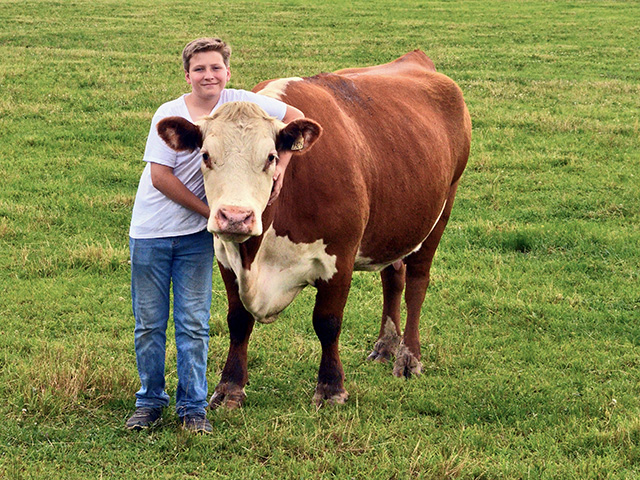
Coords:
207,75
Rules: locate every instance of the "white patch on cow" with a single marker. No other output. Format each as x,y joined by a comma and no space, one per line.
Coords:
366,263
280,270
276,88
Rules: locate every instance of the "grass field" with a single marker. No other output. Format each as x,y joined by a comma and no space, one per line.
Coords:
531,327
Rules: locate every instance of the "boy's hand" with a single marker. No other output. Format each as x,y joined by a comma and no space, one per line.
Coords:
277,186
284,156
278,176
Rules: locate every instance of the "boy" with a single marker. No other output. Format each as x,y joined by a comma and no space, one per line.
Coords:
169,243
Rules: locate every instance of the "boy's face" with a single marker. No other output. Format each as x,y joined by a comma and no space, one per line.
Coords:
207,75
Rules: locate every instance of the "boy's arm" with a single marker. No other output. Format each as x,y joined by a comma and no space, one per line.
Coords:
166,182
292,114
284,156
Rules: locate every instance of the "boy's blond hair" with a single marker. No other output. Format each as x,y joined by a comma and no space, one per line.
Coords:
207,44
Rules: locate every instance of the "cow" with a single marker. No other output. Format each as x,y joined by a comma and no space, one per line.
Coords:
370,186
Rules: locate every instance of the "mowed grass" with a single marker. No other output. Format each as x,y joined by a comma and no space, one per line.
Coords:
531,327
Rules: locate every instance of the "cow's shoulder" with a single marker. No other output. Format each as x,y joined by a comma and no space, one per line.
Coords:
275,88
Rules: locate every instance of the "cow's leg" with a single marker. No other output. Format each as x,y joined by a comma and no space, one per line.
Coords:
417,280
327,323
392,286
230,390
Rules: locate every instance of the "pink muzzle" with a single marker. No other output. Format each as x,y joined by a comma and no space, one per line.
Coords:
235,220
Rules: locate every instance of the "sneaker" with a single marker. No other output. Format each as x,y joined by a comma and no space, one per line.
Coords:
196,423
143,417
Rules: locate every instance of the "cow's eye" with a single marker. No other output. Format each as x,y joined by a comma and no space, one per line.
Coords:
271,160
206,158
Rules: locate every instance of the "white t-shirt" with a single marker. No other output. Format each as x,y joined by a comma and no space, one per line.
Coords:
155,215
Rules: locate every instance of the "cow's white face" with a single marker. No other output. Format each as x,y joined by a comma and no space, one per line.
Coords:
239,162
239,146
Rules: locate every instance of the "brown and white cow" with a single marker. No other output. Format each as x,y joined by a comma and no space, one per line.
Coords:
375,192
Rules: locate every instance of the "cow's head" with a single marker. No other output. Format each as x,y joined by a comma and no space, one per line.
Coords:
239,145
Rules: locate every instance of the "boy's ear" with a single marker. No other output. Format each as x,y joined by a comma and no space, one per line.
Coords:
180,134
298,136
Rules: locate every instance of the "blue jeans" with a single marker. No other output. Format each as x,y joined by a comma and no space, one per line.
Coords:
187,261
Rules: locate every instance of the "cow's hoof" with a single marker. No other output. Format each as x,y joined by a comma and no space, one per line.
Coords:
377,356
330,394
229,395
387,344
406,364
380,354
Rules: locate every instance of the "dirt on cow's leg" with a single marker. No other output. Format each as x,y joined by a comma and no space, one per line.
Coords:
331,394
407,361
387,344
230,390
330,387
393,279
406,364
228,395
327,323
417,280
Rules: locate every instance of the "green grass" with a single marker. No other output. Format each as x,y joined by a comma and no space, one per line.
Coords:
531,327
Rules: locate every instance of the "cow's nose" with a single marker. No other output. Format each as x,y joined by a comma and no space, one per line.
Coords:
235,219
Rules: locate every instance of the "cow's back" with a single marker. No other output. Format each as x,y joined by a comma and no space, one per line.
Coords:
396,137
408,64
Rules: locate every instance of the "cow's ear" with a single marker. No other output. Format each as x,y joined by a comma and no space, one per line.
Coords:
299,135
180,134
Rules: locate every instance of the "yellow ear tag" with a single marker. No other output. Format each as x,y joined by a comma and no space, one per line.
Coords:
298,144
